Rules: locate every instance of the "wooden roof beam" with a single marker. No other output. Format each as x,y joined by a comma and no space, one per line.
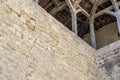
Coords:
77,3
73,15
70,5
106,9
48,6
74,9
93,11
77,8
114,3
80,9
100,1
91,24
110,12
62,6
55,2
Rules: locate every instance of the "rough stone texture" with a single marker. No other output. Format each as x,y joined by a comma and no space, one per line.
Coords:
105,36
109,62
35,46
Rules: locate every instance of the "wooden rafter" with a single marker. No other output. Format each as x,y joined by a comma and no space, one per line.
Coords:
80,9
77,3
55,2
78,6
48,6
114,2
100,1
62,6
110,12
70,5
93,11
106,9
91,24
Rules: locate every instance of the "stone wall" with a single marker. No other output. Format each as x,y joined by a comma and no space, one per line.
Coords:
109,62
105,36
35,46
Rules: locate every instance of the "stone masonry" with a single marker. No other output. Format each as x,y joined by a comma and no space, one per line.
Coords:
35,46
109,62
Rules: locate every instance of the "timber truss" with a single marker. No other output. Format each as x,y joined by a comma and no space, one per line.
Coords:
84,16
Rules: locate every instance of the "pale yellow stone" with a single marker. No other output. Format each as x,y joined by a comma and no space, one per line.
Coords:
32,22
30,26
22,19
35,46
14,5
25,15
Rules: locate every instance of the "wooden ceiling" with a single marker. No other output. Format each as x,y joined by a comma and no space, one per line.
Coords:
60,10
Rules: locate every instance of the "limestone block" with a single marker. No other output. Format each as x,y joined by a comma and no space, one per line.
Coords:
14,5
35,46
22,19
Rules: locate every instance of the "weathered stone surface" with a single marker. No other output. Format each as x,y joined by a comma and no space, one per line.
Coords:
35,46
109,62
